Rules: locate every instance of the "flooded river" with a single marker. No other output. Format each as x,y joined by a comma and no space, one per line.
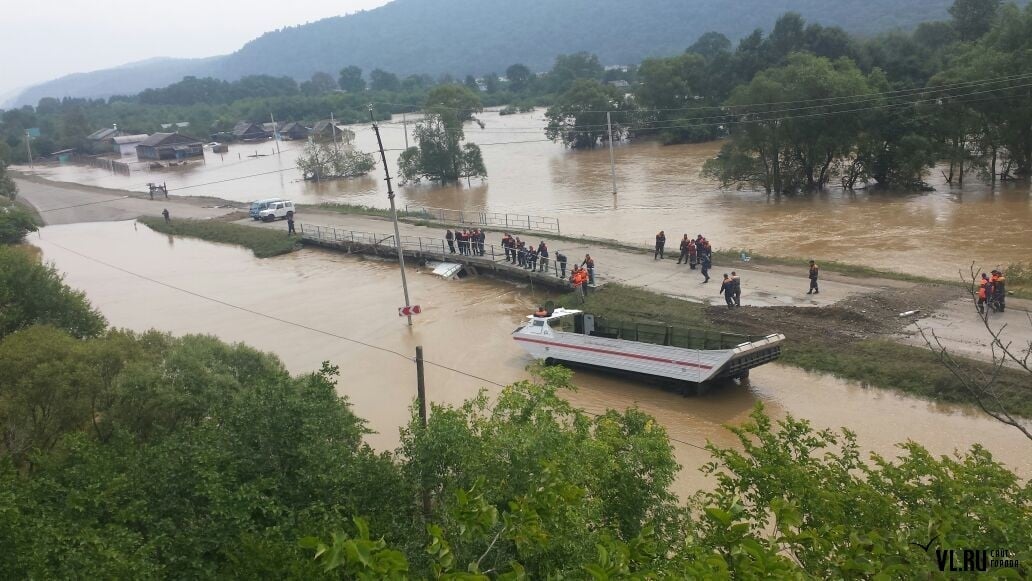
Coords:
314,306
932,234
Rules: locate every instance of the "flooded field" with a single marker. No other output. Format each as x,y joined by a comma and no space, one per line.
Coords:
314,306
932,234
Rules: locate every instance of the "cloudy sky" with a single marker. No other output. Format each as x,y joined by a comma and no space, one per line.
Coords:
45,39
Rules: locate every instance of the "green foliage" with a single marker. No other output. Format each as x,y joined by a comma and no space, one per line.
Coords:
15,222
569,68
324,161
381,80
519,77
578,117
35,294
263,242
8,189
973,18
440,154
351,79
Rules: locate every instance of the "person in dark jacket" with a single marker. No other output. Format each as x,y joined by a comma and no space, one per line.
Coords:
290,225
693,254
543,255
589,262
727,288
560,258
660,243
814,273
450,237
684,250
168,219
705,263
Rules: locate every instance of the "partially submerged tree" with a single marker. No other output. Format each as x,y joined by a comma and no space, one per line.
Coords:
578,117
319,161
440,154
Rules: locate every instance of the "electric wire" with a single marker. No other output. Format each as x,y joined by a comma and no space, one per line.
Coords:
313,329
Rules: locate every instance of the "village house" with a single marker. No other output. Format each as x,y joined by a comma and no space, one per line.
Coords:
293,130
247,131
102,140
324,130
161,146
126,144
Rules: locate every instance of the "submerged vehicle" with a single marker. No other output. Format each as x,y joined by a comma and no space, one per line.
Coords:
660,351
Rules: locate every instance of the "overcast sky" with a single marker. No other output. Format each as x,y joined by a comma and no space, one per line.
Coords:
45,39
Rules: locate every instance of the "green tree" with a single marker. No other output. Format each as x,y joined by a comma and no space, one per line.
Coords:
710,44
15,223
578,117
381,80
455,103
351,79
34,294
519,76
8,189
324,161
440,154
570,68
319,84
784,151
673,95
973,18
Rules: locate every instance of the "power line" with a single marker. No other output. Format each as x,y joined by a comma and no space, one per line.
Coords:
313,329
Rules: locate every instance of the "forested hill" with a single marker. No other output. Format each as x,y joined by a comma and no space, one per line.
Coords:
476,37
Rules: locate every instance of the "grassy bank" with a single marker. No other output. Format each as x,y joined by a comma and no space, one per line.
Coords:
262,241
874,361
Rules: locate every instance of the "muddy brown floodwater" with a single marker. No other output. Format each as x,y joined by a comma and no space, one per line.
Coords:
128,272
932,233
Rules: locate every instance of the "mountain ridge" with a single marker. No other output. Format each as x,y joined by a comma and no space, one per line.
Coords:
462,37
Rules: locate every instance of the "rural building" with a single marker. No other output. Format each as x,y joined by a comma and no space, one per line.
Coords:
101,140
326,131
247,131
126,144
169,146
293,130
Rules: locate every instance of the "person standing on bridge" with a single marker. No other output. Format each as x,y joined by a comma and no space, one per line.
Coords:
481,237
164,213
290,224
560,259
543,255
814,273
660,244
704,260
450,237
693,254
521,253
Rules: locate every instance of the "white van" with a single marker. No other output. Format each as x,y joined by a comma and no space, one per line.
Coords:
257,207
277,210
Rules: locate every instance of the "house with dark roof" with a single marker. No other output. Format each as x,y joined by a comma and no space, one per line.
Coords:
169,146
247,131
324,130
293,130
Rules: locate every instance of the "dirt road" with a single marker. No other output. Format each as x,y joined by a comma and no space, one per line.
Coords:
862,307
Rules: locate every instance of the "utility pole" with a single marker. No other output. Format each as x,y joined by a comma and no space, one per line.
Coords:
394,210
333,131
275,132
28,148
612,161
421,397
404,123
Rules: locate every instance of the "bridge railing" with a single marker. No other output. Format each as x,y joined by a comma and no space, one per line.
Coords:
509,221
438,247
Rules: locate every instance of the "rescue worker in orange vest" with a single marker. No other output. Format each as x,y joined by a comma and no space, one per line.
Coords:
982,284
579,278
999,290
541,312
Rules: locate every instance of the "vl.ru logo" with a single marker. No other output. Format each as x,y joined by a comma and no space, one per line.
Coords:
970,560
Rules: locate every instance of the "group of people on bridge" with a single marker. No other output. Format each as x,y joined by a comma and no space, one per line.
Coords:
468,242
